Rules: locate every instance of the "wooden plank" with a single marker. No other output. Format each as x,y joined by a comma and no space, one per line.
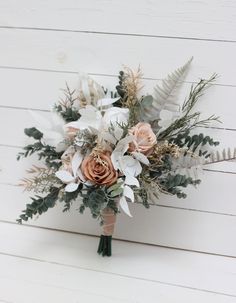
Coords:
68,51
56,283
16,120
158,225
213,19
49,283
201,199
149,266
219,100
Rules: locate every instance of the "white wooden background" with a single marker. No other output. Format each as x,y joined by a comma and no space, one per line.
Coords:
45,43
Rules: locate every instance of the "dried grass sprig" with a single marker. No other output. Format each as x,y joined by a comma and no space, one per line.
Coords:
40,179
132,84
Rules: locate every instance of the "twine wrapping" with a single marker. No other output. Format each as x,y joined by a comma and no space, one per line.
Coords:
109,220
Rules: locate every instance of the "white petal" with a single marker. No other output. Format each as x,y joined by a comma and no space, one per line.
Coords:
71,187
123,144
116,115
76,161
90,117
130,180
64,176
108,137
106,101
80,175
84,78
118,132
128,193
131,166
141,158
124,206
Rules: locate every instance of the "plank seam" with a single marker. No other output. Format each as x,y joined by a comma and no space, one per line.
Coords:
162,205
95,74
119,275
118,239
115,33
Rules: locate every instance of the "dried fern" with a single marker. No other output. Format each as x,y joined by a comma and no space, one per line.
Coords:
225,155
164,95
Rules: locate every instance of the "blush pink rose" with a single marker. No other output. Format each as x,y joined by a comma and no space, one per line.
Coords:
144,138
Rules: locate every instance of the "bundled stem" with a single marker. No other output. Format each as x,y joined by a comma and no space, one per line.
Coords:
108,219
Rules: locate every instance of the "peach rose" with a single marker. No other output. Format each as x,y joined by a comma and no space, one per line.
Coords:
144,138
99,169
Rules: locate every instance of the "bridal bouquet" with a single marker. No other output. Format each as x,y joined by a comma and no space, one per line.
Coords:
104,149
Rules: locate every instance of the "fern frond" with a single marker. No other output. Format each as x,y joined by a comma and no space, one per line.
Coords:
163,97
225,155
189,164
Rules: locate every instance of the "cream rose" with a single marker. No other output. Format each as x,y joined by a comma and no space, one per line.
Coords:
99,169
144,138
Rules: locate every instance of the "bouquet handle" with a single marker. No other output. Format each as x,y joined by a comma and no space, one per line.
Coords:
105,243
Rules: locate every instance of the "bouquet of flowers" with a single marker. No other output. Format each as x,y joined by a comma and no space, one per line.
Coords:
104,149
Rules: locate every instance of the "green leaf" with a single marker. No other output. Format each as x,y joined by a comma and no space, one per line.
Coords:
114,187
147,101
34,133
116,192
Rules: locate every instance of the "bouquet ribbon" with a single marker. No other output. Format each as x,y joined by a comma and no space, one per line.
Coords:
109,220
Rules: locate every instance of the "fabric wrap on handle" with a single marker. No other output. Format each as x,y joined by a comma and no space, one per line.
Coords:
109,220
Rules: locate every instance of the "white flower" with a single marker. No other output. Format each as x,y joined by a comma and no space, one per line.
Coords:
52,129
123,203
128,165
106,102
115,116
89,90
71,178
90,117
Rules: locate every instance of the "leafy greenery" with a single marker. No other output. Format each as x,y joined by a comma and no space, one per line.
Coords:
46,152
171,184
33,133
39,205
192,142
66,107
96,199
69,197
121,90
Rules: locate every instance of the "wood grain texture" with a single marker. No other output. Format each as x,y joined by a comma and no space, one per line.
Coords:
186,270
59,283
95,53
203,19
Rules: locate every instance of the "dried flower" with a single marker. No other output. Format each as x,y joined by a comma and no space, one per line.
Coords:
98,168
163,149
144,138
